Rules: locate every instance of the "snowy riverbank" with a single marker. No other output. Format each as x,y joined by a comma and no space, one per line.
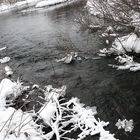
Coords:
30,3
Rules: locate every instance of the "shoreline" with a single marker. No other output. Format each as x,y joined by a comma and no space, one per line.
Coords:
18,6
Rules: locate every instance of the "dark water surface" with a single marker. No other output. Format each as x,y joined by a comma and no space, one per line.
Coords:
36,39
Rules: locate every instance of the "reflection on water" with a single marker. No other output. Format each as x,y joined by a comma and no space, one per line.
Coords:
36,39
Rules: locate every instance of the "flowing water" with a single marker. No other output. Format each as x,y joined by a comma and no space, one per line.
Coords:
36,38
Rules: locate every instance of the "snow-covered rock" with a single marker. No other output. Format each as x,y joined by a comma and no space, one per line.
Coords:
68,58
9,88
8,71
5,60
129,43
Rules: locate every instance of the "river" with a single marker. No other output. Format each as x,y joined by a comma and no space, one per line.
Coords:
36,38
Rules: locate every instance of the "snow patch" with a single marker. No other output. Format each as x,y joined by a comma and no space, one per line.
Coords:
48,3
8,71
128,126
5,60
68,58
129,43
120,47
3,48
127,63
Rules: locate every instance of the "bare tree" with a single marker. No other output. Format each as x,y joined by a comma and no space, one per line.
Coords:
122,16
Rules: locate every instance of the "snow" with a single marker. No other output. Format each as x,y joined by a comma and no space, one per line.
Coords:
99,9
7,87
3,48
120,47
128,126
19,125
51,92
8,71
8,7
20,3
135,19
94,10
29,3
127,63
47,112
129,43
107,41
109,29
48,3
16,124
69,58
84,119
5,60
4,7
35,86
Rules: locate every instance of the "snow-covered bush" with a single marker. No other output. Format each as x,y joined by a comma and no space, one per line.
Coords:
121,15
62,117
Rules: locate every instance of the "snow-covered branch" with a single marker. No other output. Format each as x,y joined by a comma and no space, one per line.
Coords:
55,114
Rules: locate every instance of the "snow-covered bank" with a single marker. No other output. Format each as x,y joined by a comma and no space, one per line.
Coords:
17,6
123,45
16,124
30,3
5,8
124,48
